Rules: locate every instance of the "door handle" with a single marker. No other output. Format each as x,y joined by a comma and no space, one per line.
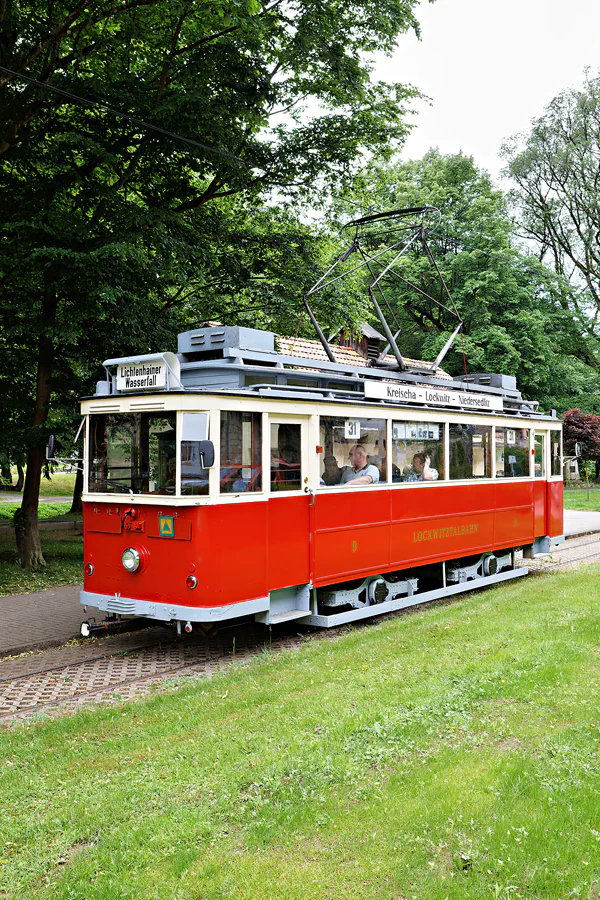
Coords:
312,493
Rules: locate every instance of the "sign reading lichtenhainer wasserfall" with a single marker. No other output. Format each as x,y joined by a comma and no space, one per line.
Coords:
408,393
144,376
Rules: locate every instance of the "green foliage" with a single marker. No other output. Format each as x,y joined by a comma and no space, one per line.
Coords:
516,318
112,234
555,168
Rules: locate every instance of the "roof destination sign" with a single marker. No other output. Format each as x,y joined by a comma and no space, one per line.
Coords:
151,372
432,396
142,376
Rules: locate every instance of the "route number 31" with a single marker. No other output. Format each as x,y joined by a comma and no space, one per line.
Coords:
352,429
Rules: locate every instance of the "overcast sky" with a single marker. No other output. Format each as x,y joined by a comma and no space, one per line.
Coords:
490,67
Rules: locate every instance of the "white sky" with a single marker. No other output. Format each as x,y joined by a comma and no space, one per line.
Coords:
490,67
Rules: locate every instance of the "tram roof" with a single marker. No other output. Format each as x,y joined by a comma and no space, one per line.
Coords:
219,359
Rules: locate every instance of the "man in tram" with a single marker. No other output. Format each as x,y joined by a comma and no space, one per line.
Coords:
360,471
421,469
331,471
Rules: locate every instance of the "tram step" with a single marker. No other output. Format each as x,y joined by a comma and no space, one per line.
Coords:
288,615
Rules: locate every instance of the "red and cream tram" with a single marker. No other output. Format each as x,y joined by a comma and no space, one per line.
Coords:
250,475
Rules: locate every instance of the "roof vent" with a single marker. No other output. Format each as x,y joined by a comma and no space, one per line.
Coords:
214,340
490,379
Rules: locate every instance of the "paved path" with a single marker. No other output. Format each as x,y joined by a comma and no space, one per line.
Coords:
579,521
44,619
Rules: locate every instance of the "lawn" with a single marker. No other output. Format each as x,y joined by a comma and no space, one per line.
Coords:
448,753
583,499
60,485
45,511
63,552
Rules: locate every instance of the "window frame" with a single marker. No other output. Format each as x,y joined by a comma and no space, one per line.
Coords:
303,422
180,414
124,414
262,454
530,445
492,465
560,475
443,471
385,416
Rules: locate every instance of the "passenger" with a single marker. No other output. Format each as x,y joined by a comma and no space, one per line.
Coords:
421,469
360,471
331,471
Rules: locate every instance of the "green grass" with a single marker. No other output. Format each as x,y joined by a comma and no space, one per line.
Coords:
580,500
63,552
450,753
60,485
45,511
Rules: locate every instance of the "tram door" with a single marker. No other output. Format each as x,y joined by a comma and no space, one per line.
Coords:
288,553
540,463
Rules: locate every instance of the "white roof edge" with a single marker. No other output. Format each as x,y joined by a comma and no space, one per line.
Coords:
171,358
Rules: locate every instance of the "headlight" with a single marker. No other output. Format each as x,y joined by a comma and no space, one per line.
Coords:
131,559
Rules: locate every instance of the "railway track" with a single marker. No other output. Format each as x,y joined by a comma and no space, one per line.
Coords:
578,550
28,686
127,666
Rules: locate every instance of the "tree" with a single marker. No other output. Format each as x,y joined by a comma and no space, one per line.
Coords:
512,306
106,221
583,428
556,168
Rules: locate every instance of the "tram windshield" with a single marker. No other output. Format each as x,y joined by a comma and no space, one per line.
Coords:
133,452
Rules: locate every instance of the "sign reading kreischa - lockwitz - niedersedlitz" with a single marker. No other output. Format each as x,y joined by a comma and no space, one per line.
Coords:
408,393
142,376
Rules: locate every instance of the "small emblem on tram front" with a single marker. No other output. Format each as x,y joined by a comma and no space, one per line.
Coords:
166,526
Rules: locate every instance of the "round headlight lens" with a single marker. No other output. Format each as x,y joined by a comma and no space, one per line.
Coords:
131,559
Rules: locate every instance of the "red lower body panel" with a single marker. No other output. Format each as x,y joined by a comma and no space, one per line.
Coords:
353,536
236,551
241,551
554,508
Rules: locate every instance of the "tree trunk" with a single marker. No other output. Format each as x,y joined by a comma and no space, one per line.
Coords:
27,532
20,478
597,472
77,491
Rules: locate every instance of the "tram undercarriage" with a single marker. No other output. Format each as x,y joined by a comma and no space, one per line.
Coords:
376,595
330,606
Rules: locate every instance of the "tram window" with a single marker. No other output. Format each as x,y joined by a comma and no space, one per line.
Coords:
132,452
470,451
286,472
417,451
512,452
241,469
539,455
353,451
194,478
555,452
